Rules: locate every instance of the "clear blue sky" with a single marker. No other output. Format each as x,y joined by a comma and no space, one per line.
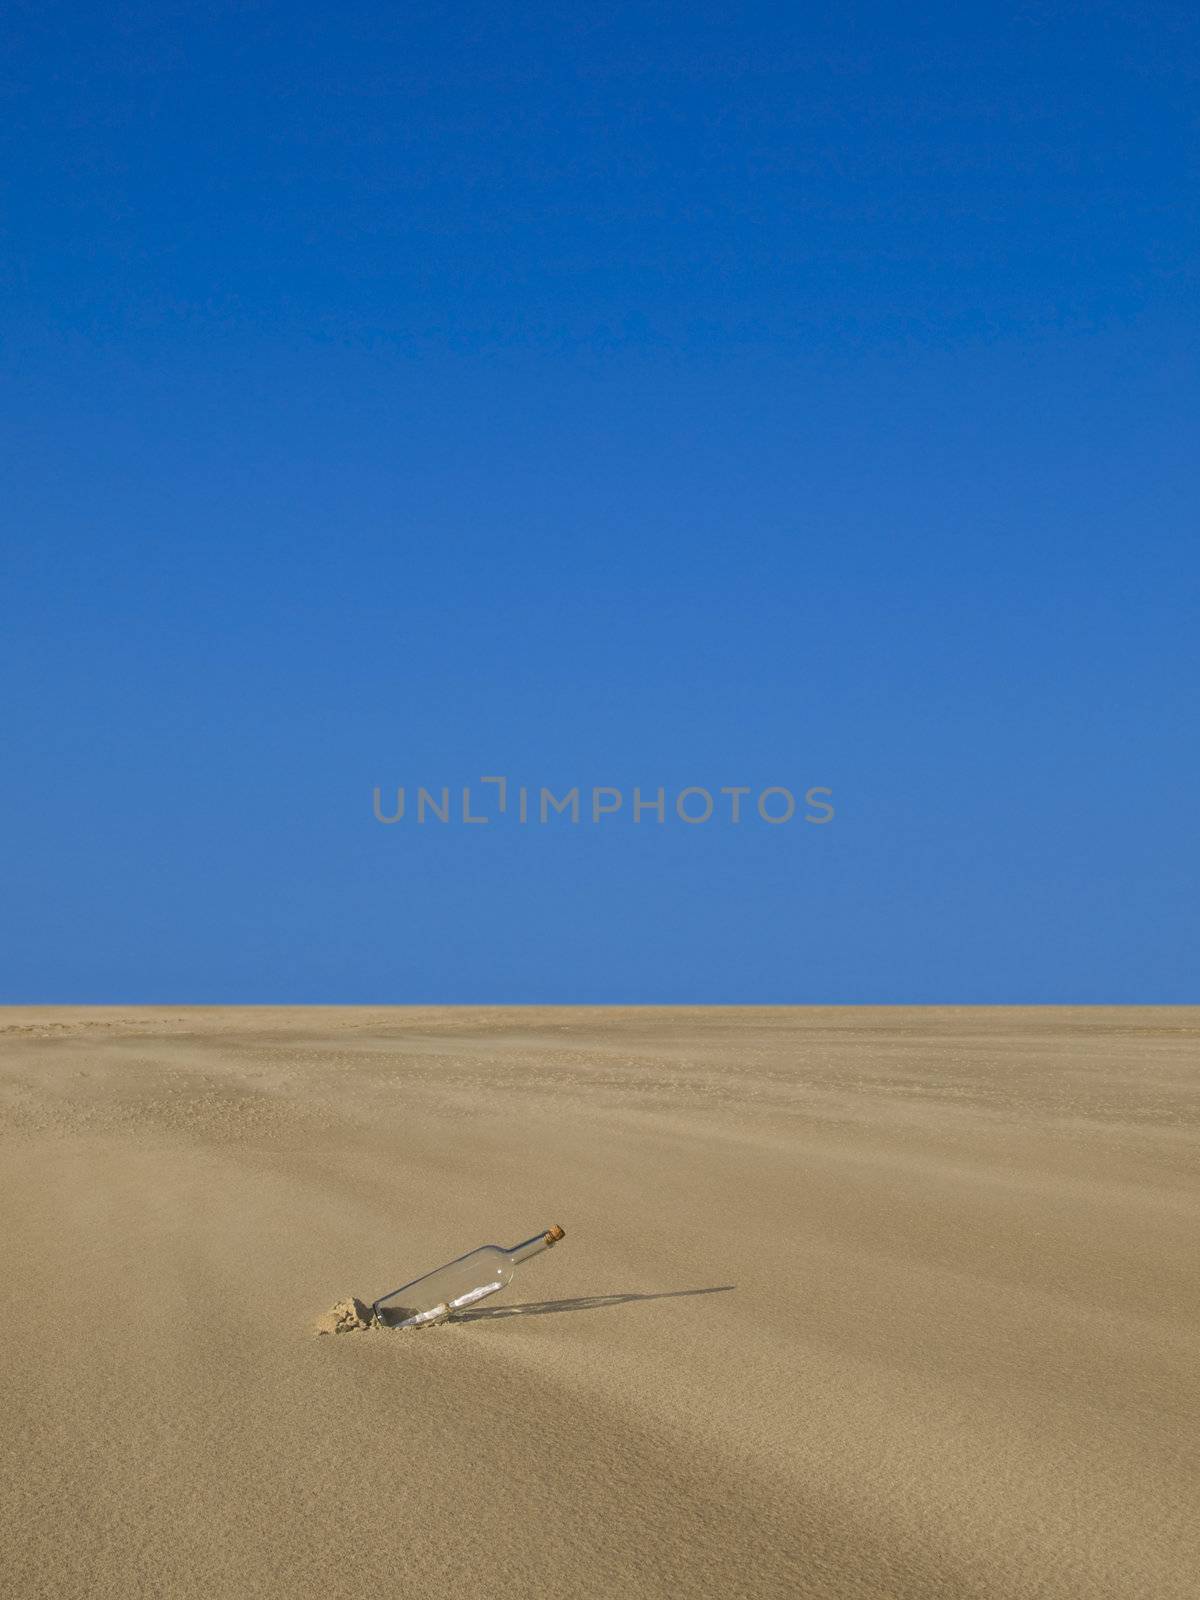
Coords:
678,395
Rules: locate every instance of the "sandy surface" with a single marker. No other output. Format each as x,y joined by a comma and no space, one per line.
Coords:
852,1303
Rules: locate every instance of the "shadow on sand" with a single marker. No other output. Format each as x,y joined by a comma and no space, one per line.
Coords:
594,1302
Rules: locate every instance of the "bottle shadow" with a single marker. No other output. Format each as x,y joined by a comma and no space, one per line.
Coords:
592,1302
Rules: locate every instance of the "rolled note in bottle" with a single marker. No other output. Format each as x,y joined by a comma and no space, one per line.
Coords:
459,1284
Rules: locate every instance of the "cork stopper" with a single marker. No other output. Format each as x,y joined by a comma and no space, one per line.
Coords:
554,1234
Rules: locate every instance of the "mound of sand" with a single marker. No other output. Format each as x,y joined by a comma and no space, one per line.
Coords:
348,1316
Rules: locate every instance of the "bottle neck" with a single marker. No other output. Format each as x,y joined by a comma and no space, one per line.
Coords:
531,1247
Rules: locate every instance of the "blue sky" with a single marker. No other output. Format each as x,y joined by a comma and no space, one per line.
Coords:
667,395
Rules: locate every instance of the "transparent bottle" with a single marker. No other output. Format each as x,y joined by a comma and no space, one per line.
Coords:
438,1295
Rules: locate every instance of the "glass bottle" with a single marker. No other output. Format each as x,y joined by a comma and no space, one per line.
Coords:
438,1295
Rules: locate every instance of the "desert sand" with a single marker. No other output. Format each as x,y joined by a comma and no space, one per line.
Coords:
852,1303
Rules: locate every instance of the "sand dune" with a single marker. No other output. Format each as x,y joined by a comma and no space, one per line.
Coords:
853,1303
